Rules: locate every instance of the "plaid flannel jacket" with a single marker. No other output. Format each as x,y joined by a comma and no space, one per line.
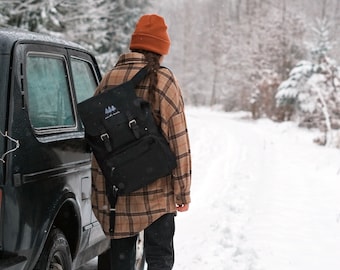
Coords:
136,211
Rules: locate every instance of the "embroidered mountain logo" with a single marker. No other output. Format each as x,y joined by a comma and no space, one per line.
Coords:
110,110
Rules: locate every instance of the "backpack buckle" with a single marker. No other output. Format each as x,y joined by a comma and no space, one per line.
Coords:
132,123
105,138
134,127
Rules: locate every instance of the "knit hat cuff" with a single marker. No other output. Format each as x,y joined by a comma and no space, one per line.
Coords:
151,43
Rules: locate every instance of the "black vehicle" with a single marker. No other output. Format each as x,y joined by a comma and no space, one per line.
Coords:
46,219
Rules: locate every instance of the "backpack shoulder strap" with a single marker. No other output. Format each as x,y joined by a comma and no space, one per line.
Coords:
140,75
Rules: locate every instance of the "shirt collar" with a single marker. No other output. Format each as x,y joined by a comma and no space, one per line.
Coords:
131,58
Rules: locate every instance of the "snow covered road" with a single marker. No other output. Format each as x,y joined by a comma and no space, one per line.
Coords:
264,197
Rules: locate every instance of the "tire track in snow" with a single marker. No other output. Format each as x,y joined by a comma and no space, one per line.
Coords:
211,233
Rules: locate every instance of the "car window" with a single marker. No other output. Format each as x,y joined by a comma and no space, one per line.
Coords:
49,101
83,78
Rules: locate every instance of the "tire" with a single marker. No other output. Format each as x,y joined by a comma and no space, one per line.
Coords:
56,254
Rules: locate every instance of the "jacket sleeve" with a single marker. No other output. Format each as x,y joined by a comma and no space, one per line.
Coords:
179,143
173,124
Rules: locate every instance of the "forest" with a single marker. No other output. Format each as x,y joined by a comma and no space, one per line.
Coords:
274,58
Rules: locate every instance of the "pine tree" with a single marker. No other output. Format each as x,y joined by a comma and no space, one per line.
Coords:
313,87
288,90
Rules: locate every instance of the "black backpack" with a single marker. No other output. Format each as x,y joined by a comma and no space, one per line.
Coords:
128,145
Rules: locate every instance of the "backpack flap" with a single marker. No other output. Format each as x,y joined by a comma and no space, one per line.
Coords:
96,111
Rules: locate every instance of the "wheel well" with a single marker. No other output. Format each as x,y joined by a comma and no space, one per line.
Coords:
68,221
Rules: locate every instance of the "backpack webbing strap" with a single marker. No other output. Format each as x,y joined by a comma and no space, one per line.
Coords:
133,125
112,195
112,190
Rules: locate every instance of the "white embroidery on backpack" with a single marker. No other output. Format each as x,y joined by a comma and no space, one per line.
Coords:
110,111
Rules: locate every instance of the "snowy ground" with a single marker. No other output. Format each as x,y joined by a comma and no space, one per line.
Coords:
264,197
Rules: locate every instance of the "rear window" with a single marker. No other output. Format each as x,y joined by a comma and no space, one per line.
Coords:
49,100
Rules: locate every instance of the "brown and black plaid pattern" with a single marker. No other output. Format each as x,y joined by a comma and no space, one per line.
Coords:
139,209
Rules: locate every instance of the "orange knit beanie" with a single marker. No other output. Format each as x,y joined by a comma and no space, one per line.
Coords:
151,35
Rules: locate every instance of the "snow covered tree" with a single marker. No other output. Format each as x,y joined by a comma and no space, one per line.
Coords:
277,39
319,100
34,15
108,28
288,90
102,26
313,87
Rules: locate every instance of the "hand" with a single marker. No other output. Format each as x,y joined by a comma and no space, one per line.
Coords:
182,207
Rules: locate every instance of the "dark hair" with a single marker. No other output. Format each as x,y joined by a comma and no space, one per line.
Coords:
153,64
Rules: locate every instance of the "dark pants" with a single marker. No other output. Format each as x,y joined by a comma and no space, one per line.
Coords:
158,248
